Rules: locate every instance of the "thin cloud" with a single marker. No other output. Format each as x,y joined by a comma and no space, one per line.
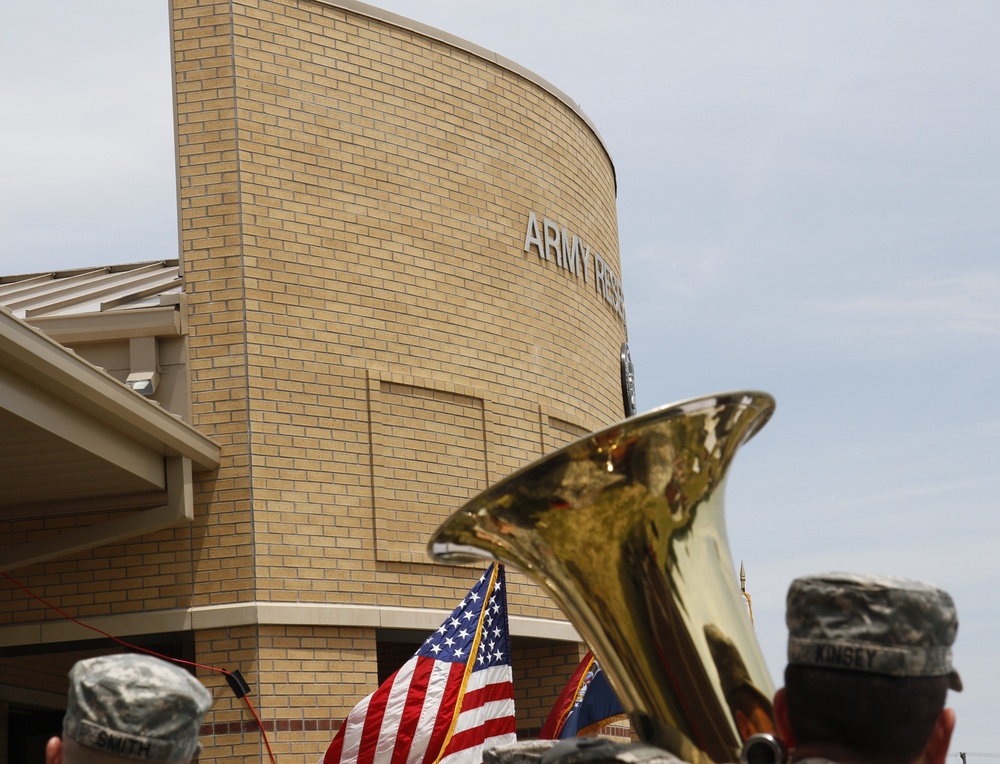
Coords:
940,304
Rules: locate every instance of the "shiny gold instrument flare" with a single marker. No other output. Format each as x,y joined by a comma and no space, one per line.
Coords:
625,530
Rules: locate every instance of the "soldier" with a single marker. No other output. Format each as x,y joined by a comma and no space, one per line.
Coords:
869,665
127,707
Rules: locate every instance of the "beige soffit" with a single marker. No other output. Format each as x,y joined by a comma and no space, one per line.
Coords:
74,440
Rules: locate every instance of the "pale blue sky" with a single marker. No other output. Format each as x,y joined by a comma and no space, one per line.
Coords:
809,204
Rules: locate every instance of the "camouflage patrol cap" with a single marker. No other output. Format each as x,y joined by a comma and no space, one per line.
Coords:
877,624
135,706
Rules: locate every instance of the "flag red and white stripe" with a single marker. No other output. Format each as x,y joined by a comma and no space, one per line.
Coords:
453,699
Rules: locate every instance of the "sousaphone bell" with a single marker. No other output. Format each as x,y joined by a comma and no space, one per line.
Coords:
625,530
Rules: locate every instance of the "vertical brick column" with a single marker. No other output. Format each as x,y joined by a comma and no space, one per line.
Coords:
211,239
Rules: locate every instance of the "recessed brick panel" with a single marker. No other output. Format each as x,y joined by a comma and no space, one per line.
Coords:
427,460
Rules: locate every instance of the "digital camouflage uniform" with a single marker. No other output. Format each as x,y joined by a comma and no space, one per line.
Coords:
135,706
875,624
579,750
872,624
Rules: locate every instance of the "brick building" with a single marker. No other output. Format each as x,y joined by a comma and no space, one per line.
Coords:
398,282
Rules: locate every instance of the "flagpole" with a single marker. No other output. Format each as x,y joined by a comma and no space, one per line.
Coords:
743,588
473,652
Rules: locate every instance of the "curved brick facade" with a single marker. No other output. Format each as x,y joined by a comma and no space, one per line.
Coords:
400,257
369,331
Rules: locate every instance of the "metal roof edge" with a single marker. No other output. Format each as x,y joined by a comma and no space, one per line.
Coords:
61,273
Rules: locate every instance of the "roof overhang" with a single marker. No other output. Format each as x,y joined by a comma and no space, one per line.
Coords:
75,442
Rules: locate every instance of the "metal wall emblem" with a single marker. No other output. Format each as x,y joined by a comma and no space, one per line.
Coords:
628,381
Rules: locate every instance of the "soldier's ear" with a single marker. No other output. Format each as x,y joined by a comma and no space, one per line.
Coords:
936,750
781,719
54,751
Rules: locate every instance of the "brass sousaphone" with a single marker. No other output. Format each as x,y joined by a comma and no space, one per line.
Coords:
625,530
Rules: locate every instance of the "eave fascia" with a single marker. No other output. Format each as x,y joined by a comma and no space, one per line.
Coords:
30,353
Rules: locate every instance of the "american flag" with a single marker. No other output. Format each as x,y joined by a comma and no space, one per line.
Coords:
450,701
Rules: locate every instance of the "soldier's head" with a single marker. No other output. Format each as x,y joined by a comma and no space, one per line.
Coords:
130,708
869,666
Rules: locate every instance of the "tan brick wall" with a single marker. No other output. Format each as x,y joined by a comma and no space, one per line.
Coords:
308,679
42,673
428,454
205,96
153,572
541,670
369,342
359,194
304,681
